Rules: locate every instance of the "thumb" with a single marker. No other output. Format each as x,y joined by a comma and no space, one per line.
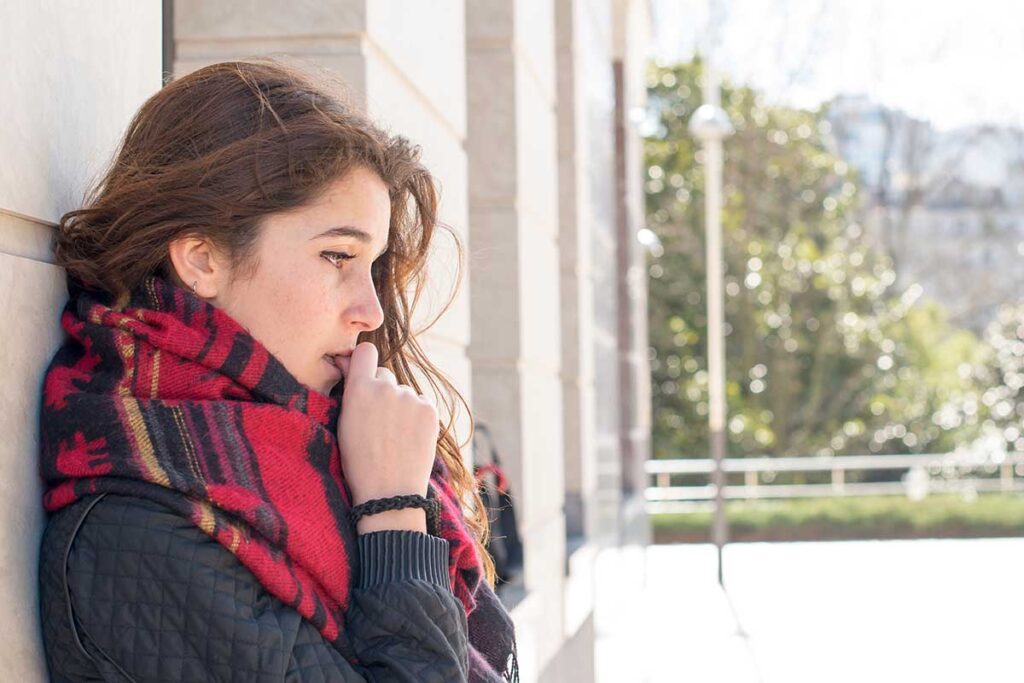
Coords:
343,363
362,364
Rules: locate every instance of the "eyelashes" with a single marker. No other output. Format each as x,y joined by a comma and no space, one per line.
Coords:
336,257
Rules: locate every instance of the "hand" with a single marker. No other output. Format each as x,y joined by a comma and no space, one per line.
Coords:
387,435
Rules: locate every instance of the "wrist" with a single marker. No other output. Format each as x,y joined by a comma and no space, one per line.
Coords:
363,496
406,519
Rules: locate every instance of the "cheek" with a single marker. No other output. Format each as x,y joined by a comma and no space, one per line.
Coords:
287,312
302,309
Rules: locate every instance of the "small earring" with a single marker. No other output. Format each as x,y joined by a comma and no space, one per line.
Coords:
194,283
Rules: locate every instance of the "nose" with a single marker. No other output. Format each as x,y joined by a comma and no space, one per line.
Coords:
364,310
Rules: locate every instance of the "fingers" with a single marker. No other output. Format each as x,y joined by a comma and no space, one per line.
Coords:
388,376
362,363
385,374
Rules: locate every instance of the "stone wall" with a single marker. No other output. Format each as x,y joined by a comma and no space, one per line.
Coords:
73,75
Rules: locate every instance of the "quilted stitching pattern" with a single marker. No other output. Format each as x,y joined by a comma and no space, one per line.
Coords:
396,629
158,600
68,660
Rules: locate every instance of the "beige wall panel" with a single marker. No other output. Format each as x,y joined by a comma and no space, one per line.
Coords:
342,56
544,577
543,478
424,42
490,22
492,126
204,20
497,401
20,236
540,304
31,297
77,70
493,262
538,171
535,41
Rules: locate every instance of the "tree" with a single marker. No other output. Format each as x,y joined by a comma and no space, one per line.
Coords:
821,352
997,409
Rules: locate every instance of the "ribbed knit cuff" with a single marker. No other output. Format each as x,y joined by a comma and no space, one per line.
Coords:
386,556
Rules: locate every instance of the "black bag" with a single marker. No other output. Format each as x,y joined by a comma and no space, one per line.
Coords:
504,544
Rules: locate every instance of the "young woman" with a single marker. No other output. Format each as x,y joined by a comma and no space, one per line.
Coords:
244,477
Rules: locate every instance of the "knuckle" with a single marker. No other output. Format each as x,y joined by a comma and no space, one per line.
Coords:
428,410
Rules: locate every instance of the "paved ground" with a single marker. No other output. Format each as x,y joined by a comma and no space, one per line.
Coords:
876,611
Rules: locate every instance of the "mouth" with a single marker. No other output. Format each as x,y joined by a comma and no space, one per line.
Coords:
334,360
333,368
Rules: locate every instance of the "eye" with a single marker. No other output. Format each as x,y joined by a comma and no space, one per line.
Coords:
336,257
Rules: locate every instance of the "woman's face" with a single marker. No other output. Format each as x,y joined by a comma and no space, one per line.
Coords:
312,293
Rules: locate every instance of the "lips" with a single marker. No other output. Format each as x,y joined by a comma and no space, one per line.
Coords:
333,367
335,361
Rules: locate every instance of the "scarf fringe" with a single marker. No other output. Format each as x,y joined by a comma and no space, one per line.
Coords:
512,670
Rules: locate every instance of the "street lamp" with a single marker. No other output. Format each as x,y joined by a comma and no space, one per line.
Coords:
710,124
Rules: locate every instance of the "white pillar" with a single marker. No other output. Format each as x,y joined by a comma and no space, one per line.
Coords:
516,319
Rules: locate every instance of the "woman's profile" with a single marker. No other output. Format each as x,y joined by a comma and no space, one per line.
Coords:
245,479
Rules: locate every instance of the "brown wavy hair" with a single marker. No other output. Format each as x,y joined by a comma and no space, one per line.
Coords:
213,153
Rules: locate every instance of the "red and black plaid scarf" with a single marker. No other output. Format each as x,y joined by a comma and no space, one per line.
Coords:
172,400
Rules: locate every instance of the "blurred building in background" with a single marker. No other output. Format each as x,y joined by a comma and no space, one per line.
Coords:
524,110
939,202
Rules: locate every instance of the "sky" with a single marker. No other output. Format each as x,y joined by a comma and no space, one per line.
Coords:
951,62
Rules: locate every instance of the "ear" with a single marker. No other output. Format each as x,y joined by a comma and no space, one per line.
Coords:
197,260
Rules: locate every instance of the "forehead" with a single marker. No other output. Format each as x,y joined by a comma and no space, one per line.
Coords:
356,207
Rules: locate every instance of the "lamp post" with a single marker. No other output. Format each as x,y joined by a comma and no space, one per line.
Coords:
710,124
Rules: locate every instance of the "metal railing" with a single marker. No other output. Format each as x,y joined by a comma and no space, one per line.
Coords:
925,473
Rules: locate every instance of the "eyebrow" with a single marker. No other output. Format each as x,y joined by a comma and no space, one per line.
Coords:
348,231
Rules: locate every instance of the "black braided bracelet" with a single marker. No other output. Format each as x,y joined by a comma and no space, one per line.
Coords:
372,507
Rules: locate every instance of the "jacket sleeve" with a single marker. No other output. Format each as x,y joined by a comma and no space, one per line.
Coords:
156,599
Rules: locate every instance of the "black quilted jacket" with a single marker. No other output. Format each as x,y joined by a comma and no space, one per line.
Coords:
131,591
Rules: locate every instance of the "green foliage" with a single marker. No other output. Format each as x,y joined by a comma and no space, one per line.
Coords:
997,407
822,355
